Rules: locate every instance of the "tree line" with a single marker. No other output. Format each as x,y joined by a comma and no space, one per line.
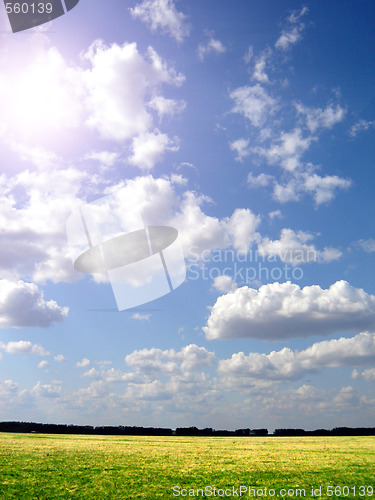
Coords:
32,427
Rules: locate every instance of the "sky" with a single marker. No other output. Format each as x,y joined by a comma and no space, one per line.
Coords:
248,127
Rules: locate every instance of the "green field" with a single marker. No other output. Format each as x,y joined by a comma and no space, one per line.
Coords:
41,466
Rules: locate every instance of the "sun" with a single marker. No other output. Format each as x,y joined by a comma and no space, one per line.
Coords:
40,96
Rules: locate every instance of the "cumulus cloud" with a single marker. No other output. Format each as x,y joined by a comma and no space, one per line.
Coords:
84,363
23,346
34,209
286,150
118,83
166,107
110,375
260,180
163,15
321,118
46,390
169,361
275,214
59,358
105,158
22,304
242,228
367,375
322,188
287,364
149,148
212,45
43,364
284,310
241,148
34,233
224,283
293,247
253,103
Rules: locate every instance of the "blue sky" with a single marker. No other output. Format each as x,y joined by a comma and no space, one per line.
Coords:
247,126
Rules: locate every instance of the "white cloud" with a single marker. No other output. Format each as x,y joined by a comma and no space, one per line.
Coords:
241,147
360,126
160,204
43,364
224,283
284,310
8,388
34,209
368,375
293,247
105,158
259,73
261,180
149,148
317,118
249,54
23,346
367,245
34,235
178,179
22,304
163,15
47,390
287,192
242,228
59,358
189,358
288,38
323,188
141,317
83,363
166,107
275,214
287,364
212,45
253,103
110,375
287,150
197,231
296,15
38,156
117,85
293,33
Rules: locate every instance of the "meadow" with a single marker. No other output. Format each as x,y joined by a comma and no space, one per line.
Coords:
43,466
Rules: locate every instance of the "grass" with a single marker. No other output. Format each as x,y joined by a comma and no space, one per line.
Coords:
41,466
